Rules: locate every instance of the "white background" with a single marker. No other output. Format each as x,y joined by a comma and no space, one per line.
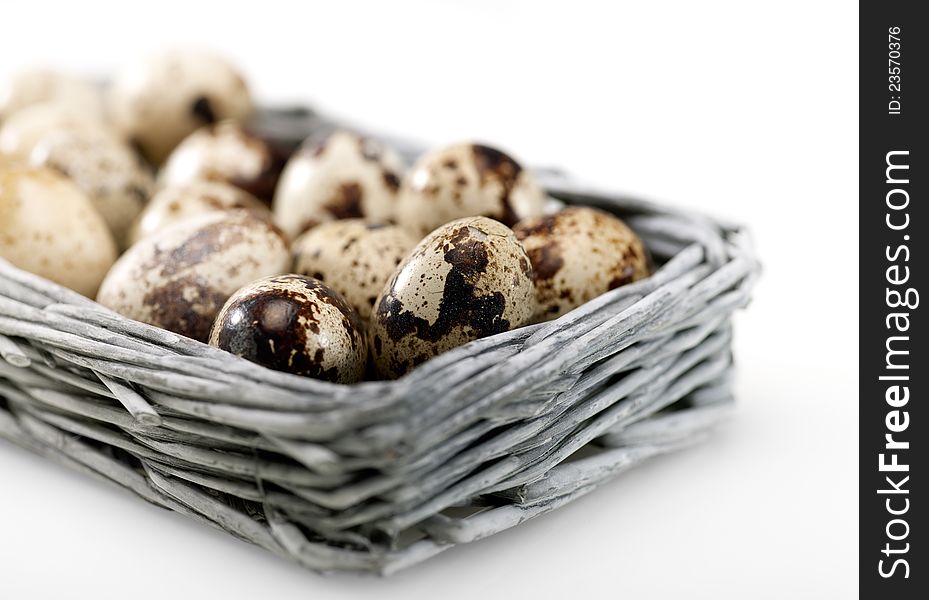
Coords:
745,110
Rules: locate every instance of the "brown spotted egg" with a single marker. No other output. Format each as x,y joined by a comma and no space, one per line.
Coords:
48,85
20,134
352,257
578,254
294,324
179,278
340,176
110,173
466,280
466,180
165,97
228,153
172,205
49,227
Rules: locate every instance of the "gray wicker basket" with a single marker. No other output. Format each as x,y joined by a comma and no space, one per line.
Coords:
377,476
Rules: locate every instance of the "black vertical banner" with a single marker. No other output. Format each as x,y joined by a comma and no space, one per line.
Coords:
893,371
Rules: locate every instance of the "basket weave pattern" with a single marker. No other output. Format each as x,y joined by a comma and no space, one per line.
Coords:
377,476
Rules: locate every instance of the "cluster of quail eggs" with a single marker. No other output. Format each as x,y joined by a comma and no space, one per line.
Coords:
334,261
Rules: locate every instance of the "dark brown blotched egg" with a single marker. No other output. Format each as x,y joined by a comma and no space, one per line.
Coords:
165,97
353,257
179,278
466,180
175,204
225,152
339,176
578,254
294,324
466,280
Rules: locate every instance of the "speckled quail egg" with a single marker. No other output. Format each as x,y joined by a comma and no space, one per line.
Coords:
115,178
179,278
228,153
162,99
578,254
466,280
353,257
48,85
49,227
339,176
172,205
294,324
465,180
23,130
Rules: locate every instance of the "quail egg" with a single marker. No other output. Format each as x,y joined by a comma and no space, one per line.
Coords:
166,97
352,257
48,85
466,280
228,153
175,204
340,176
49,227
294,324
23,130
466,180
179,278
578,254
110,173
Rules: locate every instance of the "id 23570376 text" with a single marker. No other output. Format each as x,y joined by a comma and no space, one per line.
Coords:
894,70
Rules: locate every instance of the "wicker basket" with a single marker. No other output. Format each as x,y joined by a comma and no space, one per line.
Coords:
377,476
